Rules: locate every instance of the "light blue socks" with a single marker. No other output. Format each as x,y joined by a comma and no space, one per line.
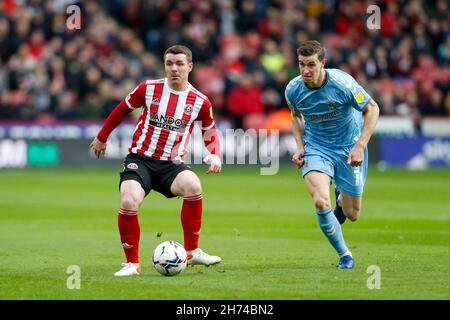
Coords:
332,230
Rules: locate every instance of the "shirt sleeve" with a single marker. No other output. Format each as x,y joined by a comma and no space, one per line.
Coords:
287,100
357,96
290,104
136,98
119,113
205,116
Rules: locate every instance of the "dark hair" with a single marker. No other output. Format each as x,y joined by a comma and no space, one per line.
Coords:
177,49
311,47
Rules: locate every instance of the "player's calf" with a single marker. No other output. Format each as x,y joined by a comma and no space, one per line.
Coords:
352,213
351,206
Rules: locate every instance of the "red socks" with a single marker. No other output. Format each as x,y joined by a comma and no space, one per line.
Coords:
191,220
130,233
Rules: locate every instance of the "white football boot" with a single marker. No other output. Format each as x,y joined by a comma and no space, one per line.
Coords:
197,256
128,269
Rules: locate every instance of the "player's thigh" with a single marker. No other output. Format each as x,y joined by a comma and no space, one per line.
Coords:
317,171
137,168
135,182
318,185
186,183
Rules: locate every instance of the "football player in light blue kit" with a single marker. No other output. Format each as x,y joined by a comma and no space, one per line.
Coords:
333,118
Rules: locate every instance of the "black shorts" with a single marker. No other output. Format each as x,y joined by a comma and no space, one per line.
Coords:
152,174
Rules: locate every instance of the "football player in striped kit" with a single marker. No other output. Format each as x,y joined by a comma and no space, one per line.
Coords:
170,106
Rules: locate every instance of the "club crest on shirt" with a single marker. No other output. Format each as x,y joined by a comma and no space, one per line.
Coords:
155,102
188,109
132,166
331,105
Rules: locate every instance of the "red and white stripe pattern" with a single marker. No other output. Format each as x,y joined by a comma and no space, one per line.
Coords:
169,110
127,212
194,198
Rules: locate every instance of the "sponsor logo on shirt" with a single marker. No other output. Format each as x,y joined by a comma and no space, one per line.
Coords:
167,122
316,117
132,166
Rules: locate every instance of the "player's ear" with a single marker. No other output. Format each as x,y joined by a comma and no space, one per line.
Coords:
324,60
191,65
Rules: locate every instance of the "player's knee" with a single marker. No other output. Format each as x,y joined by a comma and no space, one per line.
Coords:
129,201
322,203
192,188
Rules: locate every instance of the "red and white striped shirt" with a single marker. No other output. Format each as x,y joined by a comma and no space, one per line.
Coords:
166,122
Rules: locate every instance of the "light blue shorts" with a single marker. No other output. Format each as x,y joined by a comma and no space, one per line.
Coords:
347,178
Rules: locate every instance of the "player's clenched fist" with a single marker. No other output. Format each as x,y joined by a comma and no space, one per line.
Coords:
215,165
98,147
356,156
298,157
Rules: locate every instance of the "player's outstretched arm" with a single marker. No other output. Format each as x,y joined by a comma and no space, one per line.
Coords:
134,100
371,114
297,131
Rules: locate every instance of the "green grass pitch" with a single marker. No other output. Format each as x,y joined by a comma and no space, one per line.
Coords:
263,227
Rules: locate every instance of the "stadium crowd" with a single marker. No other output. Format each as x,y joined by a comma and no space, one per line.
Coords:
244,54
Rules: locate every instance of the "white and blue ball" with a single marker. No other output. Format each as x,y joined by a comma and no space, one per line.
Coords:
169,258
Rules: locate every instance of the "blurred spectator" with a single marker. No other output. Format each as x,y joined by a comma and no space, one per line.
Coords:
433,104
244,53
245,99
248,17
272,59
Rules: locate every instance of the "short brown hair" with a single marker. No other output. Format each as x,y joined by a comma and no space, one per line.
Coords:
311,47
177,49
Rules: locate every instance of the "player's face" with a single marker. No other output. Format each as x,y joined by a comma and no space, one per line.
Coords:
177,69
311,68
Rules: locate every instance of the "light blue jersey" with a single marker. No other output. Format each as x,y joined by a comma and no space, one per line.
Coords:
333,124
332,112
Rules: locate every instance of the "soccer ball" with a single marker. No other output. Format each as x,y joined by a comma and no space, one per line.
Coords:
169,258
